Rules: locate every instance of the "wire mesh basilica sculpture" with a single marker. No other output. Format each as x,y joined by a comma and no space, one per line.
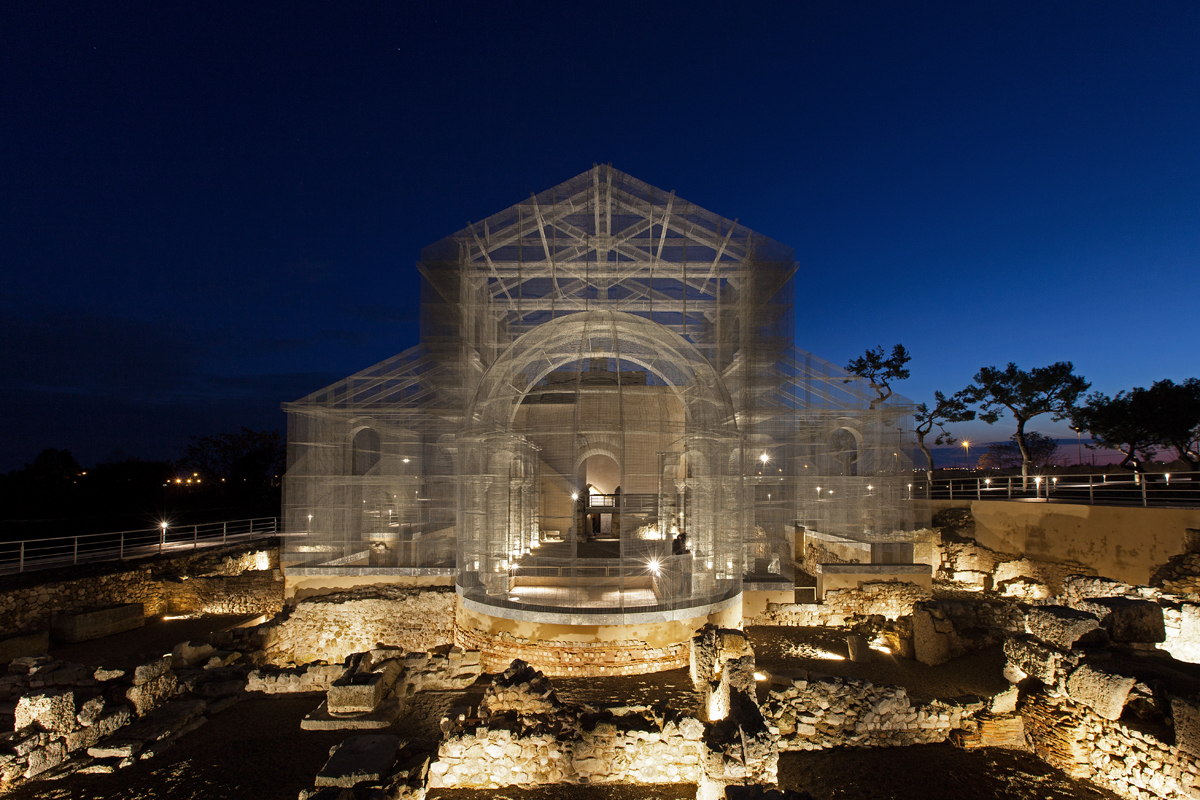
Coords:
605,422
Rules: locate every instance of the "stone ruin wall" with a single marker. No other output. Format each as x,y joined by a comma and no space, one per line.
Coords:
30,608
840,607
256,592
843,712
234,579
1112,754
331,627
524,735
624,750
1094,704
573,659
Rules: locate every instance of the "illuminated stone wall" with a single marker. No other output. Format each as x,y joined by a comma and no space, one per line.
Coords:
574,659
332,626
256,592
633,750
28,600
890,599
844,712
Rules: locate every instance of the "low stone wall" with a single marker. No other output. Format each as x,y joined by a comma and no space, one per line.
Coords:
30,608
259,592
573,659
889,599
1131,762
978,567
311,678
844,712
27,601
330,627
622,750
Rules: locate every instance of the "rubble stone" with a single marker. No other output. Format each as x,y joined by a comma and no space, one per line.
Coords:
52,711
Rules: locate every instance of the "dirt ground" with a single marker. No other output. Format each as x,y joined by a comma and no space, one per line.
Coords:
977,673
256,748
128,649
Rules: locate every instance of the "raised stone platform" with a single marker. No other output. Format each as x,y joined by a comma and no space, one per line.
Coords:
95,623
383,716
852,576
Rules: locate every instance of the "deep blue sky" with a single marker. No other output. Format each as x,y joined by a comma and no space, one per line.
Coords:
207,209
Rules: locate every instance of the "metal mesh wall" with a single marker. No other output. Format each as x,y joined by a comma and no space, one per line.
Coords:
602,368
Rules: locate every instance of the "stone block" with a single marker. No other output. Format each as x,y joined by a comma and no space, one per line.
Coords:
383,716
358,694
145,697
46,757
1103,692
51,711
90,711
1005,702
359,759
1065,627
26,665
25,644
1039,660
114,720
859,647
703,653
1186,715
929,645
1129,620
220,659
148,672
82,626
82,738
327,793
191,654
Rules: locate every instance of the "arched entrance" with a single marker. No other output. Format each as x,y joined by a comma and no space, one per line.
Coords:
572,507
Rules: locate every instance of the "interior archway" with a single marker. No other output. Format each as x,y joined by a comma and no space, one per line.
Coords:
596,406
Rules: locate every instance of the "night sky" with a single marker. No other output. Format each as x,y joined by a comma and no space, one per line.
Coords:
207,209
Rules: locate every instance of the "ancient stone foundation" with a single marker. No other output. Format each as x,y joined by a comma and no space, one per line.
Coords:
330,627
573,659
235,579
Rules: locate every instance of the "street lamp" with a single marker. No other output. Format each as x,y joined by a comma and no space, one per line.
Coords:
967,447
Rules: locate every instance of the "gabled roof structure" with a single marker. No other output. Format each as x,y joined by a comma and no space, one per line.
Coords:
600,333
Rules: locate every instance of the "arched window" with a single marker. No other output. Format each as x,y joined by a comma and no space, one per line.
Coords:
364,451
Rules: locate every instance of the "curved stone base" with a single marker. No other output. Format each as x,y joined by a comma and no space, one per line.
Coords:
583,650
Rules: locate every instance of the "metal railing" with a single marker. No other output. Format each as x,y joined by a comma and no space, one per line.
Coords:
1106,488
28,555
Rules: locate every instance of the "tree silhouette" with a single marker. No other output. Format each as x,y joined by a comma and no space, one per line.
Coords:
1025,394
879,371
945,410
